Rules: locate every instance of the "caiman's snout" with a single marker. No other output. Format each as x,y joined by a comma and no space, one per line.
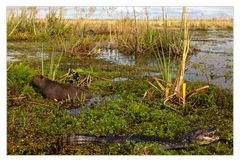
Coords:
206,136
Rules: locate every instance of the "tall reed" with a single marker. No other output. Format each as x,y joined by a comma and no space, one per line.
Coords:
139,37
23,23
175,92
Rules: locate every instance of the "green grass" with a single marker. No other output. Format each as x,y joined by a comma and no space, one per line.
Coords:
19,76
130,36
36,123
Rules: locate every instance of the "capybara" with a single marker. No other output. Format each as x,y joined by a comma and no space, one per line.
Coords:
54,90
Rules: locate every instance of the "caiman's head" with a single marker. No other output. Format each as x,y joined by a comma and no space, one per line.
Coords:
201,136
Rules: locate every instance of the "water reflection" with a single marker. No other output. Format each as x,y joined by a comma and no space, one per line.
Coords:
120,79
212,64
93,101
113,55
75,110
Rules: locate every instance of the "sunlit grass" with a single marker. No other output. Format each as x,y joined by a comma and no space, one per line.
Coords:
130,35
35,123
174,91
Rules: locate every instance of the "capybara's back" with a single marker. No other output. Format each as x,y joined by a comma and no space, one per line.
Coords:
54,90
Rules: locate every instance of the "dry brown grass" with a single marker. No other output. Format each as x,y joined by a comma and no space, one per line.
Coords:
193,23
175,23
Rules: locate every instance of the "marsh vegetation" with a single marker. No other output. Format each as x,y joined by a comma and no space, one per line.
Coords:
156,77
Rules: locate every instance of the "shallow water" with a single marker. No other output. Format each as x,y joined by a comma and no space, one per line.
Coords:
75,110
213,63
116,57
120,79
93,101
18,55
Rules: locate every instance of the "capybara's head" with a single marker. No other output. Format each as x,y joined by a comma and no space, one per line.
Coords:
39,81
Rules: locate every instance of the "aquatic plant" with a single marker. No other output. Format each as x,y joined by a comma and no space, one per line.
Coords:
79,76
19,76
55,24
35,124
53,67
139,37
23,25
110,11
175,91
124,115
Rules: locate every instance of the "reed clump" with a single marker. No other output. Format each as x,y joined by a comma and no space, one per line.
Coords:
23,26
174,89
131,36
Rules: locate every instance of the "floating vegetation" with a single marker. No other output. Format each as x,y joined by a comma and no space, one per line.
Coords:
115,59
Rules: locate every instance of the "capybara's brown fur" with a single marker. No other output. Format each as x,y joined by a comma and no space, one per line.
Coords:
54,90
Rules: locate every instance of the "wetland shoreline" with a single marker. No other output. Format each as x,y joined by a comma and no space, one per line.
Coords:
116,61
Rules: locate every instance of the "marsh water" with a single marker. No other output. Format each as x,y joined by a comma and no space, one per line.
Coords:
213,63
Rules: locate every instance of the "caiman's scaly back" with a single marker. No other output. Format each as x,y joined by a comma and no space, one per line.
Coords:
195,137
